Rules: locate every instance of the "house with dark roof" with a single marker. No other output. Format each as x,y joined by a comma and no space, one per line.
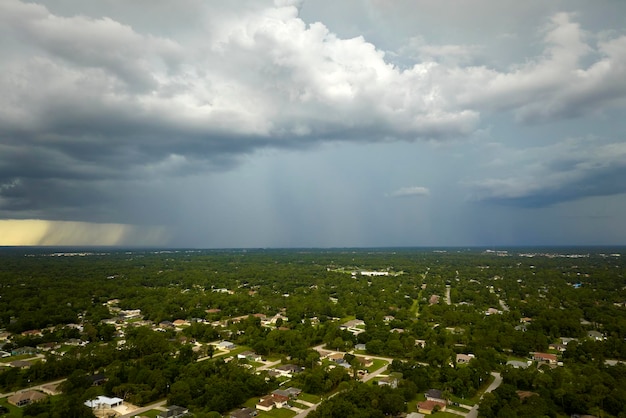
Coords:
25,398
243,413
434,395
174,411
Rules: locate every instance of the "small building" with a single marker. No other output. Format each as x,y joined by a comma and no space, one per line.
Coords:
429,407
25,398
104,402
434,395
226,345
23,351
174,411
250,356
558,347
268,402
545,358
390,381
464,358
288,370
51,389
21,364
98,379
243,413
517,364
365,362
595,335
353,324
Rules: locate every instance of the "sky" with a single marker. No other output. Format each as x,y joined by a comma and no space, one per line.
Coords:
359,123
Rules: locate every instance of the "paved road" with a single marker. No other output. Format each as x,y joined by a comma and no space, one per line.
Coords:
497,381
36,387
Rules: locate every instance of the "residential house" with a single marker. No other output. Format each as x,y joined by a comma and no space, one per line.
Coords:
23,350
174,411
429,407
337,358
48,346
273,400
558,347
353,324
464,358
243,413
97,379
166,325
32,333
289,393
226,345
595,335
288,370
545,358
21,364
250,356
390,381
365,361
104,402
26,397
517,364
435,395
51,389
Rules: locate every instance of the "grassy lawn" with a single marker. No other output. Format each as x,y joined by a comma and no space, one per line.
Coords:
377,364
299,405
412,406
445,414
307,397
14,411
251,403
471,401
14,358
237,350
458,408
277,413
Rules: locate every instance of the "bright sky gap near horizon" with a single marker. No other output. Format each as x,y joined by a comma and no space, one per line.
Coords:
203,123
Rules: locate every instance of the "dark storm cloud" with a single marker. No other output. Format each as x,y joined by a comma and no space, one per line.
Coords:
560,173
103,110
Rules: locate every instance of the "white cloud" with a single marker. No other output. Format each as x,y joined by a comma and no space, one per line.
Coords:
410,191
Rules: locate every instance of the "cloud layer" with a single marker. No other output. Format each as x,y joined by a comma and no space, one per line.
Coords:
104,113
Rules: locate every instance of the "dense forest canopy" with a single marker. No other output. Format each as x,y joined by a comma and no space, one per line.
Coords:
420,307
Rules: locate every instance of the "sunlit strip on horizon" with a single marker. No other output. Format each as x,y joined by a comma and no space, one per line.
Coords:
20,232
